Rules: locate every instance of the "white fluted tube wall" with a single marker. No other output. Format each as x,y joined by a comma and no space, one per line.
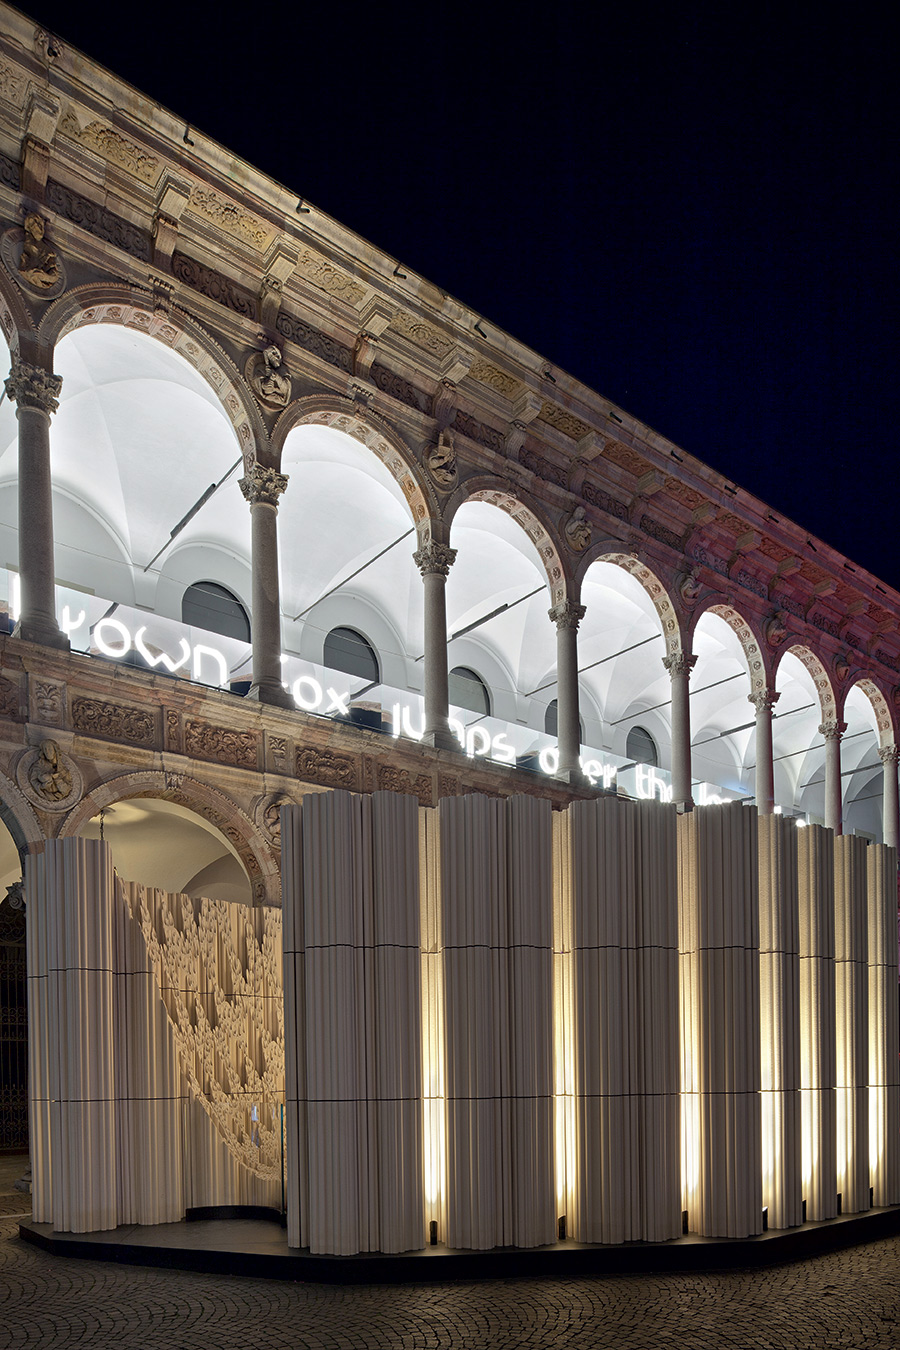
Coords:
779,1001
719,945
70,889
353,1028
851,959
818,1097
884,1074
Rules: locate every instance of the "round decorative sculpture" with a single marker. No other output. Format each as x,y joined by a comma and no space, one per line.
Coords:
49,778
34,264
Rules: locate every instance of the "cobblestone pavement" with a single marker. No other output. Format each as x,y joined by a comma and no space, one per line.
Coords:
845,1299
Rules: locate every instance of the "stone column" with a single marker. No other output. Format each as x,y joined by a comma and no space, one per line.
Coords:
679,667
567,616
434,562
889,756
262,487
833,731
764,701
36,392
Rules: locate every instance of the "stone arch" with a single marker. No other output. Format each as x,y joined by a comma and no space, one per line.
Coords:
15,317
19,817
221,811
375,434
126,308
881,709
752,646
496,493
819,675
611,552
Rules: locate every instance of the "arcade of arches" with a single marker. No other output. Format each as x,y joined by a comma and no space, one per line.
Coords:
311,596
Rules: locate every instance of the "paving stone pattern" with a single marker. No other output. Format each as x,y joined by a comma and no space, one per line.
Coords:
845,1299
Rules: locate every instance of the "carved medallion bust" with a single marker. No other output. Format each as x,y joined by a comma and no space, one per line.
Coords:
267,377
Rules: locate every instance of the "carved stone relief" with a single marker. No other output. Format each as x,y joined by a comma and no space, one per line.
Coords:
440,460
324,766
240,748
268,816
392,779
47,703
31,260
110,145
267,376
577,531
113,721
48,778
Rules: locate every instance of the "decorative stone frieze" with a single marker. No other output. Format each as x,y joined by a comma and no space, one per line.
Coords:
240,748
327,768
392,779
113,721
112,146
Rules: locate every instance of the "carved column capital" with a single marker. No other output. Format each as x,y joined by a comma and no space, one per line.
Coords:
682,663
889,754
832,731
434,559
567,614
262,485
33,387
764,700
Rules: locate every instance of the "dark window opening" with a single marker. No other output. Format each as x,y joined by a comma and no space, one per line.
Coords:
641,747
211,607
350,652
468,690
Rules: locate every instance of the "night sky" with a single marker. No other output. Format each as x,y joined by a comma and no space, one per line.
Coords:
691,208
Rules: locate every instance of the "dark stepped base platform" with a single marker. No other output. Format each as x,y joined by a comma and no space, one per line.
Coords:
238,1243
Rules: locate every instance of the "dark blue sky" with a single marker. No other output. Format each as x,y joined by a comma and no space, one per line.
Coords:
692,208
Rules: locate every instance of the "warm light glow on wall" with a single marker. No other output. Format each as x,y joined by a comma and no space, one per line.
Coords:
433,1105
564,1053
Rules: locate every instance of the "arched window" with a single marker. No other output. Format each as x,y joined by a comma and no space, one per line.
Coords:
211,607
641,747
349,651
468,690
551,720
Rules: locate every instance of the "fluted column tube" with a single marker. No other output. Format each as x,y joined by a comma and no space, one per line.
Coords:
889,756
679,667
434,562
262,487
764,701
567,616
36,393
833,731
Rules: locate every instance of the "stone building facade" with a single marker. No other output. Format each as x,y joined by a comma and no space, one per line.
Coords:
461,570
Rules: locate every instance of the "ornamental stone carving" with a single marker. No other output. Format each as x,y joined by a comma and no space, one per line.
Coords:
49,779
775,630
267,377
440,460
221,744
577,531
268,816
434,559
33,387
262,486
689,586
327,768
95,717
889,754
832,731
566,615
764,700
842,668
33,263
392,779
15,895
680,663
48,703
